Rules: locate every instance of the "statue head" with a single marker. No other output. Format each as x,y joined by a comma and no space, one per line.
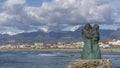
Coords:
96,27
88,26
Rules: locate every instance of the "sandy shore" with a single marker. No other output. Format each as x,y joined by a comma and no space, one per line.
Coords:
72,50
41,50
111,50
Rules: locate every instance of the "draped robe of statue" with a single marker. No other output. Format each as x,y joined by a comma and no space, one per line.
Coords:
95,41
87,38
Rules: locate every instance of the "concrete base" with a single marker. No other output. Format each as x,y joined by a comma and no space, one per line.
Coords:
102,63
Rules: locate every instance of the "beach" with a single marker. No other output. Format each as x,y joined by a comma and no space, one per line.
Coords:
73,50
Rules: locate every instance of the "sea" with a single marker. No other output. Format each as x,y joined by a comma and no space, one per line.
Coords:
46,59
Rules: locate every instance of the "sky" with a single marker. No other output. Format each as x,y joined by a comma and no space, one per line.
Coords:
18,16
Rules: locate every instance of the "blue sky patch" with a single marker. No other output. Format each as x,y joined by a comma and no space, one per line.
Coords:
36,3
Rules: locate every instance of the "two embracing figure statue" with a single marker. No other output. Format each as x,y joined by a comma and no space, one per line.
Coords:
91,38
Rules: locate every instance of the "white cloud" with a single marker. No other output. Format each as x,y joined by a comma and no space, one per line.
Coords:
44,29
74,28
56,15
9,33
12,33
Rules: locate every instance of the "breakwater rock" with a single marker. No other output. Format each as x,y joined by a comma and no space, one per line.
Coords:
80,63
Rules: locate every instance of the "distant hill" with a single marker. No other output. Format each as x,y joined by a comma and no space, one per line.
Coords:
53,37
4,36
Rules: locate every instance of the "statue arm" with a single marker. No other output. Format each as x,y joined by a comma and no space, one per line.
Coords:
88,34
96,36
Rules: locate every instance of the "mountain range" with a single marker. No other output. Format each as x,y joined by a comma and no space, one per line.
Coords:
53,37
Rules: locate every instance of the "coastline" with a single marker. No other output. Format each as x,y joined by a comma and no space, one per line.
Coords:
73,50
112,50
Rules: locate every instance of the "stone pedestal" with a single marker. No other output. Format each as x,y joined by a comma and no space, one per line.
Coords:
102,63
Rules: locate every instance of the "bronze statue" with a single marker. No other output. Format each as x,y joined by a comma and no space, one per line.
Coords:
95,41
91,48
87,38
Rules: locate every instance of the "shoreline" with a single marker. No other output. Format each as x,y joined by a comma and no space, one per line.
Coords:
41,50
112,50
